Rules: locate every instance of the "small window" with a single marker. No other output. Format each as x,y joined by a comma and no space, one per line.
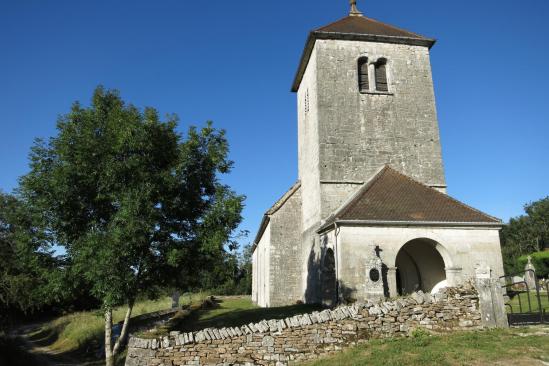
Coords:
381,76
363,82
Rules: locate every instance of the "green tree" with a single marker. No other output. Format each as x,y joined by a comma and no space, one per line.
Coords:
136,205
525,234
27,267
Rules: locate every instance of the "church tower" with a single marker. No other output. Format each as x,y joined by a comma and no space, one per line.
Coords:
369,216
365,99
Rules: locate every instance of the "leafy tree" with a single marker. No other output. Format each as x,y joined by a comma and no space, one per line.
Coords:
27,267
245,264
525,234
136,205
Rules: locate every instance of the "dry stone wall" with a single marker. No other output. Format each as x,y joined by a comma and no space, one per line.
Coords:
304,337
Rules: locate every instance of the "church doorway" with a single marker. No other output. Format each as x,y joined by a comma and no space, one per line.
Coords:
328,277
419,266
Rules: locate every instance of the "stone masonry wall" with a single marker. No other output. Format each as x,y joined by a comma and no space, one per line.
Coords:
304,337
285,283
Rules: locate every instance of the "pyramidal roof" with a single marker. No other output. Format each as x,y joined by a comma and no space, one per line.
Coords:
393,197
361,25
357,27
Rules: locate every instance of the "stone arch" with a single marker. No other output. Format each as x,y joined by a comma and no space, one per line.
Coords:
420,265
328,278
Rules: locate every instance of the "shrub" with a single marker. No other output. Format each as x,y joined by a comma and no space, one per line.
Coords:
420,337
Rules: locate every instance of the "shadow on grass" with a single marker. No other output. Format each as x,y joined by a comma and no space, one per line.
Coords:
234,313
43,337
11,353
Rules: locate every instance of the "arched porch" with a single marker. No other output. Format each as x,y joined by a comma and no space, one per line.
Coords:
420,264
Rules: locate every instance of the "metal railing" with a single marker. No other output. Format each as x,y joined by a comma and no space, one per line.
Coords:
516,289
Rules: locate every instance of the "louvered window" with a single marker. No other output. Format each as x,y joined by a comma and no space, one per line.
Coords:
363,83
381,76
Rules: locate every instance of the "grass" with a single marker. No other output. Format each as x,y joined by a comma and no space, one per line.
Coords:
514,302
78,336
83,332
500,346
236,311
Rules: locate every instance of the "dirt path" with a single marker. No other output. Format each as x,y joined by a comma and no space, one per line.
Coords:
43,354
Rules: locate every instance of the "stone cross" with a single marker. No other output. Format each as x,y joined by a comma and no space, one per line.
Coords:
354,10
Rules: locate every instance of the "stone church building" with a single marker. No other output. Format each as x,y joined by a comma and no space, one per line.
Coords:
369,215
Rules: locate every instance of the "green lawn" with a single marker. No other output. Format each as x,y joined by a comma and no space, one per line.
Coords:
501,347
514,302
82,333
236,311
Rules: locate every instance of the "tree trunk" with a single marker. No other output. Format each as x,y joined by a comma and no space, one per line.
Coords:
109,359
125,327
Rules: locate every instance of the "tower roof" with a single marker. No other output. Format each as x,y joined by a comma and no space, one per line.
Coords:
356,27
361,25
392,197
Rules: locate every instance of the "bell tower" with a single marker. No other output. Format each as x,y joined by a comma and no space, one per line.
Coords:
365,99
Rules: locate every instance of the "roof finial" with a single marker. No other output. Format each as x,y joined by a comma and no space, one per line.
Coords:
354,11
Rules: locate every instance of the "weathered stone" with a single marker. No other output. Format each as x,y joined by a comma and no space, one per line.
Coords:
302,342
465,323
268,341
418,297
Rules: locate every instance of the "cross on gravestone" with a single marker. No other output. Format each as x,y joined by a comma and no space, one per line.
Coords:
378,251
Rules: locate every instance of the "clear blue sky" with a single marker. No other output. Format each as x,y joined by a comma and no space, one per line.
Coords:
233,62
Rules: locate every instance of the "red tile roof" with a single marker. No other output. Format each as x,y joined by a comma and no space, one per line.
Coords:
393,196
366,26
357,28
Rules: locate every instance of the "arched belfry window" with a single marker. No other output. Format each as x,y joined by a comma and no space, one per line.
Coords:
363,82
381,75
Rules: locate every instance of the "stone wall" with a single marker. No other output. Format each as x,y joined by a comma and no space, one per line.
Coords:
285,284
304,337
360,132
345,136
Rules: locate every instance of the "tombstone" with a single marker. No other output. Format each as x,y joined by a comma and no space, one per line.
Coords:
373,286
175,299
530,275
491,300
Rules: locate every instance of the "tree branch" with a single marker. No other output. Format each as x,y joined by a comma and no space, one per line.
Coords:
125,327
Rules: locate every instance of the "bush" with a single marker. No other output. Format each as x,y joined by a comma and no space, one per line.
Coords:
540,260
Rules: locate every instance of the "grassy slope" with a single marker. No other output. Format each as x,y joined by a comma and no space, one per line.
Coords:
73,333
502,347
82,332
236,311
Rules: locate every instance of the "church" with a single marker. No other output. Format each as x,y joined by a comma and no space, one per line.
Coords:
369,216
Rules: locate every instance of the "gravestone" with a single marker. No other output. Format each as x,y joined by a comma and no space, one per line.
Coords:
491,300
374,281
530,275
175,299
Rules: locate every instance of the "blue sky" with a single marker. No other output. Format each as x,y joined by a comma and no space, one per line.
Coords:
233,62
